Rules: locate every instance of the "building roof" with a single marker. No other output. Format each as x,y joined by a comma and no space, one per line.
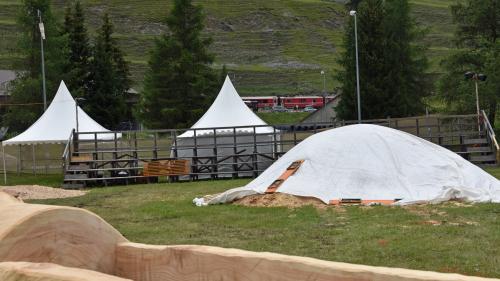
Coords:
5,77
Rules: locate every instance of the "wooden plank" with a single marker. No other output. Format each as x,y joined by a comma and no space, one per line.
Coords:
284,176
357,201
166,168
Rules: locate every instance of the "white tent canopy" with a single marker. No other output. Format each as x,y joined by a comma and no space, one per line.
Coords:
57,122
371,162
228,110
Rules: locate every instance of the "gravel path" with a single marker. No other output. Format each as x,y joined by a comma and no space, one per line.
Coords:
27,192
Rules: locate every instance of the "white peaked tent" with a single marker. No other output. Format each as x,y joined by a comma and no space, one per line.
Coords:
227,111
370,162
57,122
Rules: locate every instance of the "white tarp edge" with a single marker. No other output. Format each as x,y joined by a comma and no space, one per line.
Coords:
374,163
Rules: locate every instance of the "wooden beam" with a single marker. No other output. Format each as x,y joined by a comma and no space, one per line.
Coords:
26,271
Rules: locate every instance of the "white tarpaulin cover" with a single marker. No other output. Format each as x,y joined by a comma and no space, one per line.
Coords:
228,110
372,162
57,122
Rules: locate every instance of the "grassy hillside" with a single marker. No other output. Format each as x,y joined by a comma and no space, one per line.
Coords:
270,47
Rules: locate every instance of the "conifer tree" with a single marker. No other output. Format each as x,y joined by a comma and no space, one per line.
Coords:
105,96
478,50
180,81
392,65
27,87
79,51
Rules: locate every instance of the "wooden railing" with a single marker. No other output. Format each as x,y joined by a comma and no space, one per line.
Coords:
237,151
490,133
67,152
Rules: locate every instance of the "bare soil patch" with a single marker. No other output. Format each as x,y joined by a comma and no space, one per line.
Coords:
280,200
27,192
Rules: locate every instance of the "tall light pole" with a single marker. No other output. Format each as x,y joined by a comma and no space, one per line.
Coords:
42,37
476,77
353,14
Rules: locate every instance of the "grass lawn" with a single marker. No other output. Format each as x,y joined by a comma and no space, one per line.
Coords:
279,118
465,241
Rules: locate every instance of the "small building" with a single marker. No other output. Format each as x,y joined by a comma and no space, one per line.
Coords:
6,76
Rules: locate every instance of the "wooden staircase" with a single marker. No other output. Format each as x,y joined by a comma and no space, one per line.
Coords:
78,172
479,150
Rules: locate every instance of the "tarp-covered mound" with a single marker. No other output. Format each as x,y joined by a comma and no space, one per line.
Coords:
371,162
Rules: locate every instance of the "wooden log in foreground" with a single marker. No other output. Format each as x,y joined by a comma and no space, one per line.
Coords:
79,240
25,271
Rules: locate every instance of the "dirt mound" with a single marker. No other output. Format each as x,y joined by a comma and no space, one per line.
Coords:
279,200
26,192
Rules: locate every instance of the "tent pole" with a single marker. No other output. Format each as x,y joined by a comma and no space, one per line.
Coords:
19,164
34,158
4,168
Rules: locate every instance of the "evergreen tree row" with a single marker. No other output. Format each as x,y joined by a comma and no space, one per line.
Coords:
477,50
392,65
97,72
180,82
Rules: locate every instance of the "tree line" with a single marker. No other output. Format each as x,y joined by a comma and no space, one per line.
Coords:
394,81
181,80
96,72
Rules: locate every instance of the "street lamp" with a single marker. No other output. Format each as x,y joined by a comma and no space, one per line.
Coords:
476,77
353,14
42,37
76,111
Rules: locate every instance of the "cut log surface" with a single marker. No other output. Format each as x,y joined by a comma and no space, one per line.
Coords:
62,235
78,240
200,263
26,271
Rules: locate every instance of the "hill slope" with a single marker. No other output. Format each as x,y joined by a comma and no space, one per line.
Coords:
269,46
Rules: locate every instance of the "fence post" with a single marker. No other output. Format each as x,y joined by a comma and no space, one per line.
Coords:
19,161
214,169
255,154
235,155
418,126
34,158
195,157
155,150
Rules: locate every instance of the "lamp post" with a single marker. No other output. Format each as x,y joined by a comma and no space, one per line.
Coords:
42,37
476,77
353,14
76,111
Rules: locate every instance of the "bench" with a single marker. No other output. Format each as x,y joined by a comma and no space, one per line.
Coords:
158,168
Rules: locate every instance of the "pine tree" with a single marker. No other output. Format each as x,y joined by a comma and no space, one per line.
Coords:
392,79
27,87
79,51
478,50
180,81
105,97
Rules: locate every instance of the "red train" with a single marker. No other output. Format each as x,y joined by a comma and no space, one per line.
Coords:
295,102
